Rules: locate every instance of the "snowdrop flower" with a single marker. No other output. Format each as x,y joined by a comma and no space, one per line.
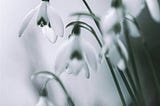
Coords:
113,43
154,9
74,55
113,17
43,101
133,7
47,19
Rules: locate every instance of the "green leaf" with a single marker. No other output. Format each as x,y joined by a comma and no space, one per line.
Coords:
86,14
46,74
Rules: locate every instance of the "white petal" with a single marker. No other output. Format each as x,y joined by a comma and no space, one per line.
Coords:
26,21
134,7
55,21
49,34
43,12
108,42
154,9
133,28
63,57
123,49
42,102
89,54
113,17
75,66
121,65
102,53
86,69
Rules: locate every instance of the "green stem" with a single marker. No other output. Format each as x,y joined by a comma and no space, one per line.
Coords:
133,63
70,101
96,22
127,71
115,81
131,81
127,86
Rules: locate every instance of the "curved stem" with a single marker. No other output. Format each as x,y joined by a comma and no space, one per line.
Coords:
116,81
52,76
96,22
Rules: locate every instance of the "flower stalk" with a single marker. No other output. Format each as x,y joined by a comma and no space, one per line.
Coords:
52,76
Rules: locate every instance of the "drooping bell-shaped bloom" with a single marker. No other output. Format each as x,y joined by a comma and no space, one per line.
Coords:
47,19
113,43
43,101
74,55
154,9
113,17
133,7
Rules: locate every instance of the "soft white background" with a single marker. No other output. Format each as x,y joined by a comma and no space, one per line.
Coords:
20,57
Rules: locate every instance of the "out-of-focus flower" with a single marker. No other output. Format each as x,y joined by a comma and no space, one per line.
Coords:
113,17
154,9
43,101
113,43
74,55
111,25
133,7
47,19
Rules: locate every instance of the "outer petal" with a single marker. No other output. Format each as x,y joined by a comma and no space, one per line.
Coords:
75,66
134,7
133,28
49,34
113,17
86,69
43,11
89,55
26,21
154,9
63,57
55,21
42,102
121,65
123,49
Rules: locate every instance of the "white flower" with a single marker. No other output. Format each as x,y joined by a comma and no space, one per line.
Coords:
43,101
134,7
154,9
113,17
113,43
76,54
47,19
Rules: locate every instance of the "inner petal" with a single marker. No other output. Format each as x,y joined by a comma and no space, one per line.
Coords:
76,55
41,22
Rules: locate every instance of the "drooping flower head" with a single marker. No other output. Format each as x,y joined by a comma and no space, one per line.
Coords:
47,19
76,54
111,25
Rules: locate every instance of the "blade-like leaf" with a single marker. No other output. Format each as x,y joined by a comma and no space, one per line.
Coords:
86,14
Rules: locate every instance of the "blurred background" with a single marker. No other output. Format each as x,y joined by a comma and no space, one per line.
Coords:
20,57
